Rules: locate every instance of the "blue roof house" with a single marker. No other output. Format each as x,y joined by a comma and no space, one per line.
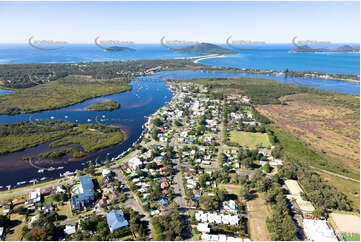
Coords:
163,201
85,197
116,220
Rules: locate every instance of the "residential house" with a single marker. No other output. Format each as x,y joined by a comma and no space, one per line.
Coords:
116,220
135,163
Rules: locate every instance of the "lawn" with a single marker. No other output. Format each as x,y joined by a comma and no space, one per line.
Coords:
65,210
248,139
231,188
15,232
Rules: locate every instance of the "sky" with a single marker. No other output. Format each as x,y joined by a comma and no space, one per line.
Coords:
147,22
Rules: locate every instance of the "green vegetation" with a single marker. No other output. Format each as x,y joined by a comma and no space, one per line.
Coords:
293,149
91,137
250,140
56,154
353,237
19,136
168,227
58,94
30,75
43,229
206,48
104,106
261,91
325,197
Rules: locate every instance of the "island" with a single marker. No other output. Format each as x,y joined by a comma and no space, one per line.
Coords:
104,106
87,138
346,48
119,48
206,49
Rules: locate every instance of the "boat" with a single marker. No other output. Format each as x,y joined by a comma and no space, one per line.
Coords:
43,179
69,173
33,181
52,117
60,167
103,116
51,168
89,120
21,183
66,116
40,170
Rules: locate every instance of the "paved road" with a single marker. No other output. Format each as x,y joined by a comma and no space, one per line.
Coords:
334,174
132,198
27,190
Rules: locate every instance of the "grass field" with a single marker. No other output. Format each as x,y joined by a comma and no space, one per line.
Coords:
248,139
258,211
231,188
327,124
65,210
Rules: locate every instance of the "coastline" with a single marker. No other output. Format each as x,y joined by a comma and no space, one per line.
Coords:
197,59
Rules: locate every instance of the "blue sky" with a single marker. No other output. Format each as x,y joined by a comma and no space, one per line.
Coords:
147,22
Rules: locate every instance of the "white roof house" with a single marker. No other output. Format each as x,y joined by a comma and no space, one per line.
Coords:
216,218
163,139
69,229
203,227
34,218
230,206
135,163
318,230
106,172
59,189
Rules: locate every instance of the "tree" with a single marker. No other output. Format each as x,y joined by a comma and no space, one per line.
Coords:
39,235
248,162
244,192
267,168
208,203
157,122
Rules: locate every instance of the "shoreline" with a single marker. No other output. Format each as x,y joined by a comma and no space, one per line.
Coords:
208,57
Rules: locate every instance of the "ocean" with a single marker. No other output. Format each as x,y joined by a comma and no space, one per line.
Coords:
265,57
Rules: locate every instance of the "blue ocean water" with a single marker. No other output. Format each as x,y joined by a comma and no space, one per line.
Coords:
265,57
278,58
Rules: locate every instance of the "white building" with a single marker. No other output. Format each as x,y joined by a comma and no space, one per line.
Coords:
34,218
135,163
318,230
203,227
106,172
230,206
69,229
